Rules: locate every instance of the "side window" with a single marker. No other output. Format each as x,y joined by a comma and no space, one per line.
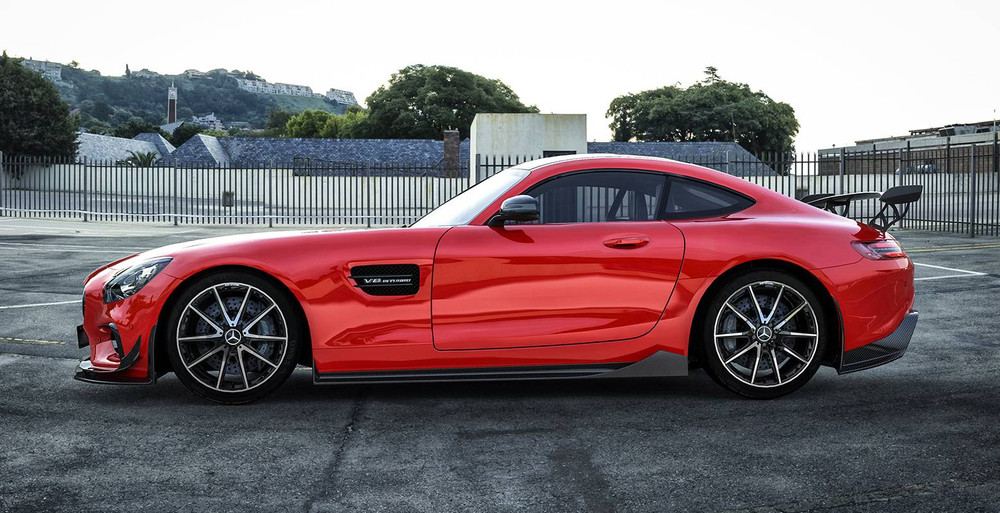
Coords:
599,197
688,199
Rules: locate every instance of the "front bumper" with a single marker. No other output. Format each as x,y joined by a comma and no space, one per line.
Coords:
881,351
88,372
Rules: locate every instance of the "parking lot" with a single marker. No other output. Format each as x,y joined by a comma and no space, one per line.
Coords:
919,434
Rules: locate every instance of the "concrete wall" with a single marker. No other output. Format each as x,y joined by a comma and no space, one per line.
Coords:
526,134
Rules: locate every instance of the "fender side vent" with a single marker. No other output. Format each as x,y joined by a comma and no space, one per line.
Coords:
387,280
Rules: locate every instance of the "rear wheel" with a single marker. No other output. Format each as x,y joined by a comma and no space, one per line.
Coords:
233,337
764,334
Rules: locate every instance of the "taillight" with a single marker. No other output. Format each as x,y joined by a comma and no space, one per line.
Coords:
879,250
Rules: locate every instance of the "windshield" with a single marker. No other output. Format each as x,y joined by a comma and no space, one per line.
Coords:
463,208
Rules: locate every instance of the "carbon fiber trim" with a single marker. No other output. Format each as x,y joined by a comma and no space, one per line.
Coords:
387,280
882,351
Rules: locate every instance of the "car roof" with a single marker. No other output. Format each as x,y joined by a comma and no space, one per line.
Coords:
547,161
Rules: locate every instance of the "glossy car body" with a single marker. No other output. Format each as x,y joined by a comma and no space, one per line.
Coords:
523,300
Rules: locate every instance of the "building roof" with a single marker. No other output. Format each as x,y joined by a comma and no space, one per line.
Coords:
163,146
728,157
170,127
200,150
263,151
104,148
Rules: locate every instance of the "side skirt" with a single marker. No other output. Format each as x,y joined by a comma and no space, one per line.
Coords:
659,364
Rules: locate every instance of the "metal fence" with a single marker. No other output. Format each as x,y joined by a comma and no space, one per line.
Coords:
961,188
961,183
323,194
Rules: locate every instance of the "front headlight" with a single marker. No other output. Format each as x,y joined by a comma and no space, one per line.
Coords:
129,281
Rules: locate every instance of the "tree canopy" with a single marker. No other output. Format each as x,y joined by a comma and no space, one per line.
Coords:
183,133
33,119
135,126
318,124
711,110
421,102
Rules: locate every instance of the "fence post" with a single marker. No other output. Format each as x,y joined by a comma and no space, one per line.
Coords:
972,191
996,156
368,194
86,198
947,155
841,172
176,193
270,195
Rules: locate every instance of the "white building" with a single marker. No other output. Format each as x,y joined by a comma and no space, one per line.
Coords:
342,97
261,87
49,70
210,121
526,135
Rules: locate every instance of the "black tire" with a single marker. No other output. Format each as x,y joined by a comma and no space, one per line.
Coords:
239,318
768,343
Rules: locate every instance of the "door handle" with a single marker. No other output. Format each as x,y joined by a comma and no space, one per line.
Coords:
627,242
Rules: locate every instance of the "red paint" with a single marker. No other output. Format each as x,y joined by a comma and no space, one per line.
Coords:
526,294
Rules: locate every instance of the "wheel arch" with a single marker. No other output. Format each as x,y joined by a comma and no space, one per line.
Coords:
162,361
834,322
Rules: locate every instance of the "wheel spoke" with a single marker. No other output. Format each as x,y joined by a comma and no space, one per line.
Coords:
791,314
774,307
794,354
243,305
246,329
797,334
774,360
741,316
222,307
222,368
257,355
206,319
264,337
199,337
205,356
756,304
741,353
756,364
243,369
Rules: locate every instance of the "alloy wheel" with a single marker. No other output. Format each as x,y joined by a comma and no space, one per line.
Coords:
766,334
232,337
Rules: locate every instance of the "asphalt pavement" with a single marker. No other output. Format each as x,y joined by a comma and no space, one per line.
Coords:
919,434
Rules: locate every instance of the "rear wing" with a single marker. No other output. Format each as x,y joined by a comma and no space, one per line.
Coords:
896,203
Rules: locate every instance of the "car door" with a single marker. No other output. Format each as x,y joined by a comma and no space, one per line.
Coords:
597,266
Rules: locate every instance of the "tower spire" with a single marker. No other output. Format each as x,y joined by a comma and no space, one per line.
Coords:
171,103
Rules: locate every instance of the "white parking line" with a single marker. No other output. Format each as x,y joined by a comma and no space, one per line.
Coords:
32,341
964,273
69,248
9,307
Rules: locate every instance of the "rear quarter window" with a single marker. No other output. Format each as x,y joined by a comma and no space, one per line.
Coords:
691,199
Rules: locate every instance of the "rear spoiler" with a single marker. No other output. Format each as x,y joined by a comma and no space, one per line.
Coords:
896,203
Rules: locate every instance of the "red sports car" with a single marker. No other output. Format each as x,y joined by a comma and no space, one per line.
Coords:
591,266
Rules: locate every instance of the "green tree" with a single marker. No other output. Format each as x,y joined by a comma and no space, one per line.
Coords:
277,118
354,124
134,127
711,110
183,133
311,124
421,102
33,119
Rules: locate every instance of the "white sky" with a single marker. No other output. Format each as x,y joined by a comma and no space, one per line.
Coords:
850,69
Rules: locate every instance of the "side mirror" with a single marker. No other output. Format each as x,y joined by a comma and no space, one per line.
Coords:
518,208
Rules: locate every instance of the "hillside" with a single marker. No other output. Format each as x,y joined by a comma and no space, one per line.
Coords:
109,101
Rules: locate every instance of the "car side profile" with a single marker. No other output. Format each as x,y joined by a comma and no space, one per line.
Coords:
574,267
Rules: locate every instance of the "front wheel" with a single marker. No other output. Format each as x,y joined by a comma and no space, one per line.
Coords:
764,335
232,337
